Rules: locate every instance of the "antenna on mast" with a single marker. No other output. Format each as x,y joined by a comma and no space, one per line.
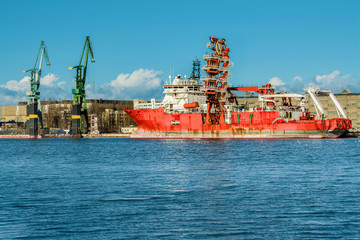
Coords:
195,74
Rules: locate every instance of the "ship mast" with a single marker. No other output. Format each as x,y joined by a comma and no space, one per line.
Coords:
216,82
195,74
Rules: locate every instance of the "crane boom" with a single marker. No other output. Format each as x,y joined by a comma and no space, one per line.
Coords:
79,101
266,89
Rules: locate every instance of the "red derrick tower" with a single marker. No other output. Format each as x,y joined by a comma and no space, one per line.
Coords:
216,83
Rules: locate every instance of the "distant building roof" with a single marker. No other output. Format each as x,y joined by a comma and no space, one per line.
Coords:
102,101
346,91
248,94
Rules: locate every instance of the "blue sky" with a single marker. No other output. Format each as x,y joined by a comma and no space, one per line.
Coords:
137,44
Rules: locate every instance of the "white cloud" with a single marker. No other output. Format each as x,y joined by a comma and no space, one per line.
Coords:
15,91
8,97
275,81
325,78
61,84
140,77
49,80
335,81
17,86
24,84
296,85
142,83
297,79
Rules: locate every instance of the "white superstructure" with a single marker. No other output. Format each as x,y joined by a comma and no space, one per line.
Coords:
178,93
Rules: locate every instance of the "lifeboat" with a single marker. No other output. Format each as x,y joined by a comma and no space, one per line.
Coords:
191,105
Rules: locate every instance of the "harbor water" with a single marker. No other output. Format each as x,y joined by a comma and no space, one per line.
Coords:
179,189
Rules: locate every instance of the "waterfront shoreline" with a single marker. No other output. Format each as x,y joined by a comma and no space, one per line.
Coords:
106,135
350,134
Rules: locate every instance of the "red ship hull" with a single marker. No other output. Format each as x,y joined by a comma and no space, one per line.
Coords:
154,123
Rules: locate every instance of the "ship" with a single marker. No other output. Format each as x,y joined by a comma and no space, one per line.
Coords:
208,108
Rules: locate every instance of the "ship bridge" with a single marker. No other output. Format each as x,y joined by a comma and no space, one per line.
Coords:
182,95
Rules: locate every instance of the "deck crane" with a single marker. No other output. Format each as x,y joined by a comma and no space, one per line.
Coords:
33,109
79,102
267,89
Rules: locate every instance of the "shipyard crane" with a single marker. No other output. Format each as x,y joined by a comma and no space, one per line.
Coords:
79,102
33,112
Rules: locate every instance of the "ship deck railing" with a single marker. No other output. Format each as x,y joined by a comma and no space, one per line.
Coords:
182,82
217,57
215,67
182,91
149,105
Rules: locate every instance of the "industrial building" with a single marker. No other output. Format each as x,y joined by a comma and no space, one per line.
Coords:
104,115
